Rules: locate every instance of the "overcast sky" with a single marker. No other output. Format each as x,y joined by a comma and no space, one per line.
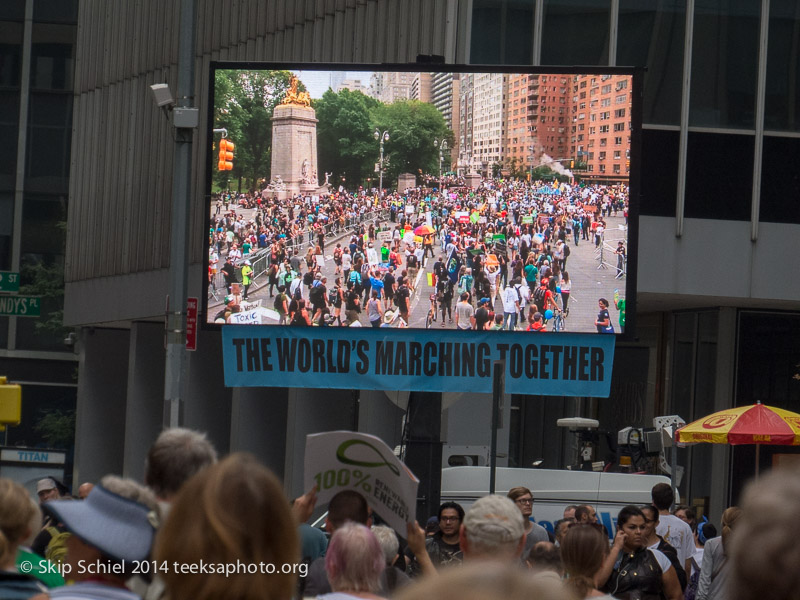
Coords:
317,82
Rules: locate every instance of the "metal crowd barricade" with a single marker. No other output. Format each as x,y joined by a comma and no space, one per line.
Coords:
260,259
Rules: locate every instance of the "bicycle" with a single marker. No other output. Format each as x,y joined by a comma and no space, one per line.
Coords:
431,317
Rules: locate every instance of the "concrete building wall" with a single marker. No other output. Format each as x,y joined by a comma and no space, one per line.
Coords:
122,162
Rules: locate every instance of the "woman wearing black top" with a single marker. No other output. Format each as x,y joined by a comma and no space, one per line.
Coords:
603,322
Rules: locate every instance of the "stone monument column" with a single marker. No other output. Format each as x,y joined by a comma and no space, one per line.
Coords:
294,143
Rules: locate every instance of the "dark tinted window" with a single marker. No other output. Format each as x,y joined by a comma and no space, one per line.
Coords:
651,34
782,102
659,175
485,40
780,181
719,176
724,63
575,32
55,11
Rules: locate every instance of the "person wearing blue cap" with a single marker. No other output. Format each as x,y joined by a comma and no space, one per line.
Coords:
112,530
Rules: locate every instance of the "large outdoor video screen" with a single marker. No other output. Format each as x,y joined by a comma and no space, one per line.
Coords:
446,199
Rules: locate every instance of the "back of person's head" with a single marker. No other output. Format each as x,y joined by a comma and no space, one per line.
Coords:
130,489
234,512
764,551
663,496
16,513
705,531
388,541
584,510
493,527
494,580
583,549
354,560
347,505
174,457
545,556
730,517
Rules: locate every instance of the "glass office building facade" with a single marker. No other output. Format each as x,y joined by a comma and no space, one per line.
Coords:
37,64
720,145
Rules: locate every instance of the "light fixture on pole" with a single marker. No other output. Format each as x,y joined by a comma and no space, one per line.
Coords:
441,145
381,137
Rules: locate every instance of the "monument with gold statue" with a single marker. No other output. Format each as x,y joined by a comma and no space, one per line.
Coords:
294,146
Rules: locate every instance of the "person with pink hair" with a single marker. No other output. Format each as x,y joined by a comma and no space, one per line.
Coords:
354,563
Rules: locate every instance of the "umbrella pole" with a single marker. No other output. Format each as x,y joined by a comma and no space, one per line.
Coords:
758,452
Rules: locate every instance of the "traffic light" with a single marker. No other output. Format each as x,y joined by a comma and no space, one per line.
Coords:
572,164
225,155
10,403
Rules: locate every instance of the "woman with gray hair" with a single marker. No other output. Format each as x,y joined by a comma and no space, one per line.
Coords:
493,528
354,563
387,538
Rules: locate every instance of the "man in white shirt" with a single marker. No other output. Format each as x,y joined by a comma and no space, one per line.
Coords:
510,306
676,532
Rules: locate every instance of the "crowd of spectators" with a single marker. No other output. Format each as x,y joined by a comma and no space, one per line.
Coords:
219,530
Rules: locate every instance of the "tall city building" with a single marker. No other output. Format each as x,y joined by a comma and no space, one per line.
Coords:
337,78
465,129
487,121
37,67
520,142
446,98
555,115
602,126
354,85
421,87
391,86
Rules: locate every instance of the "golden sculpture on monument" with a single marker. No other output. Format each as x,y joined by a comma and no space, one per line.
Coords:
295,97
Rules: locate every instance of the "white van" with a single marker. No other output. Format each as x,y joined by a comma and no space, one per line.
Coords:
553,490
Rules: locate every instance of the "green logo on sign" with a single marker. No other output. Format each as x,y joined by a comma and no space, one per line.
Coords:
340,454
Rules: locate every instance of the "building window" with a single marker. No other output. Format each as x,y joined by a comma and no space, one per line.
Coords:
616,168
619,113
718,100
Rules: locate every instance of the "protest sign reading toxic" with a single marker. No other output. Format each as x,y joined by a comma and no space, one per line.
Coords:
346,460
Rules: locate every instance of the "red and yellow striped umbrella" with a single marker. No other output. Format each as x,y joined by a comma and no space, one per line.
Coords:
755,424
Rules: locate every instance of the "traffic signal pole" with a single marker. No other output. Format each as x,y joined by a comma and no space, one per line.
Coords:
176,356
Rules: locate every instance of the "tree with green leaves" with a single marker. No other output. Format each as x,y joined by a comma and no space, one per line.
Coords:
345,146
413,126
243,104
